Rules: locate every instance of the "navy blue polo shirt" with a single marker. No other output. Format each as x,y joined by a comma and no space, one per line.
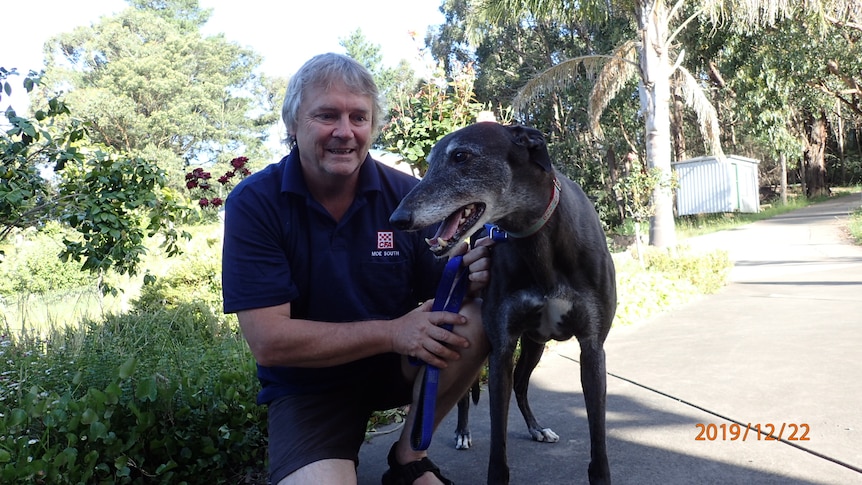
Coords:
281,245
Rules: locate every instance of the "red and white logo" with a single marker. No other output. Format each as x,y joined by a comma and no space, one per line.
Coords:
385,240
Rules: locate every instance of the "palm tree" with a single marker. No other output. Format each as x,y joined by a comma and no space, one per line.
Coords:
655,61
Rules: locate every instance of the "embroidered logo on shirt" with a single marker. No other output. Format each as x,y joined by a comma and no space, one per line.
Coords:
385,240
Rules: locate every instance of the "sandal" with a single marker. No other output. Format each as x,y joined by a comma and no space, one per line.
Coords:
398,474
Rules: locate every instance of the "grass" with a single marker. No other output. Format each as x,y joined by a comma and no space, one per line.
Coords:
697,225
855,226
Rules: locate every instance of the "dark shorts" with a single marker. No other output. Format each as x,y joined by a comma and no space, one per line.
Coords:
307,428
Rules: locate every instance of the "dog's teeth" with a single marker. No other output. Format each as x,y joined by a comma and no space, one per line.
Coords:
443,243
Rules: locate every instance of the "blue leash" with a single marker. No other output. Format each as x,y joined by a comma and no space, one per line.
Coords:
450,295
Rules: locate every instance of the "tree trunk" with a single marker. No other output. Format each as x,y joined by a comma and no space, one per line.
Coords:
676,126
840,134
783,160
815,161
654,92
614,173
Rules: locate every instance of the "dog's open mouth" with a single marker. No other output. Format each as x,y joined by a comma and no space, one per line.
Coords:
455,227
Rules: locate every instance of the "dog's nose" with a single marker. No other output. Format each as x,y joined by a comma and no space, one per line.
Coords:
401,219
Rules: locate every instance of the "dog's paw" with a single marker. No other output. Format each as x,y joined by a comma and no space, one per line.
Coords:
463,441
545,435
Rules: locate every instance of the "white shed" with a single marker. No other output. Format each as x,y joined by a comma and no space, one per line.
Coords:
717,184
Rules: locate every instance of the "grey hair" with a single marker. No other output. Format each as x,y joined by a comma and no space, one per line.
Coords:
327,70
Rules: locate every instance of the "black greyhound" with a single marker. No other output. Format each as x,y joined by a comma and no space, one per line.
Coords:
552,279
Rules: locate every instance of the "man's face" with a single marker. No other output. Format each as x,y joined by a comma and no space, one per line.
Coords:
333,131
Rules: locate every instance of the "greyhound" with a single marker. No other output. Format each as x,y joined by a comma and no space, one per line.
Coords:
552,279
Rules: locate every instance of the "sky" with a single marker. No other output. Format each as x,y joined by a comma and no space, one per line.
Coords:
285,34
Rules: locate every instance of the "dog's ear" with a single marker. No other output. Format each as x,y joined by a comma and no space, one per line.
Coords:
534,141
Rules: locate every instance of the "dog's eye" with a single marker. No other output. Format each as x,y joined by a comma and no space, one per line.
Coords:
462,157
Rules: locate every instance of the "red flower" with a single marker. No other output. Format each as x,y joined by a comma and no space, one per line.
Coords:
191,184
204,202
217,201
238,162
225,178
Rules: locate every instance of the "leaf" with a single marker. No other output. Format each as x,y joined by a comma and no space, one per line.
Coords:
128,368
89,417
18,416
146,389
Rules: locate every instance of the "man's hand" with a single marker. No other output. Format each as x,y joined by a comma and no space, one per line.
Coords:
418,334
478,262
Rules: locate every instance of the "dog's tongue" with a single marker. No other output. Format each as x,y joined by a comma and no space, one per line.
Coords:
446,230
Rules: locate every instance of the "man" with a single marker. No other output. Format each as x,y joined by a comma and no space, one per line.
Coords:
326,292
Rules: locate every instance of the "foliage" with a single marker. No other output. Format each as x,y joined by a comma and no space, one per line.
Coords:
162,394
855,225
195,279
125,402
27,146
668,278
151,85
437,108
34,267
636,188
393,82
111,201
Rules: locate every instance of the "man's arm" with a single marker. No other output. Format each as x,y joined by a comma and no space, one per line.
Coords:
276,339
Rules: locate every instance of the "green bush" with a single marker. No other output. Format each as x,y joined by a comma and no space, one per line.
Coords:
34,267
667,279
192,279
166,397
855,226
162,394
707,271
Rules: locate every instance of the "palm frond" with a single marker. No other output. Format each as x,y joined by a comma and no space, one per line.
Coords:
619,70
564,74
695,98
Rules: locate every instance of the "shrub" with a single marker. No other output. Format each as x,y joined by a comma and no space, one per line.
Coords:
34,267
193,279
669,278
707,271
165,397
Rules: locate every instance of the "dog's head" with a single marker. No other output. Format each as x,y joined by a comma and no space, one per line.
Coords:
483,173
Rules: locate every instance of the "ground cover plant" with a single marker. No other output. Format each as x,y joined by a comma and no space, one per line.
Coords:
855,226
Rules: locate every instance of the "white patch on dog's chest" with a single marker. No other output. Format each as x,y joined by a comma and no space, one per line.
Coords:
550,326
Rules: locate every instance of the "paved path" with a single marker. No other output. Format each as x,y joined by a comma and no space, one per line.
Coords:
780,346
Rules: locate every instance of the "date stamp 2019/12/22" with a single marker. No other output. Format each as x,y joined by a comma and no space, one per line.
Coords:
752,431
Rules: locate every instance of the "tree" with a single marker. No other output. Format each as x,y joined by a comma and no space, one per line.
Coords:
153,87
507,56
656,61
393,82
111,200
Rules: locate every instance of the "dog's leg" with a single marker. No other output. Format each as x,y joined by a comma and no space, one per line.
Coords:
463,439
531,353
499,392
594,382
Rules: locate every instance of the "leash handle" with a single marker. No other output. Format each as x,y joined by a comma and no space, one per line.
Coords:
450,295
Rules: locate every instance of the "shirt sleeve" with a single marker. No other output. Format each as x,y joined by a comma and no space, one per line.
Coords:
255,269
